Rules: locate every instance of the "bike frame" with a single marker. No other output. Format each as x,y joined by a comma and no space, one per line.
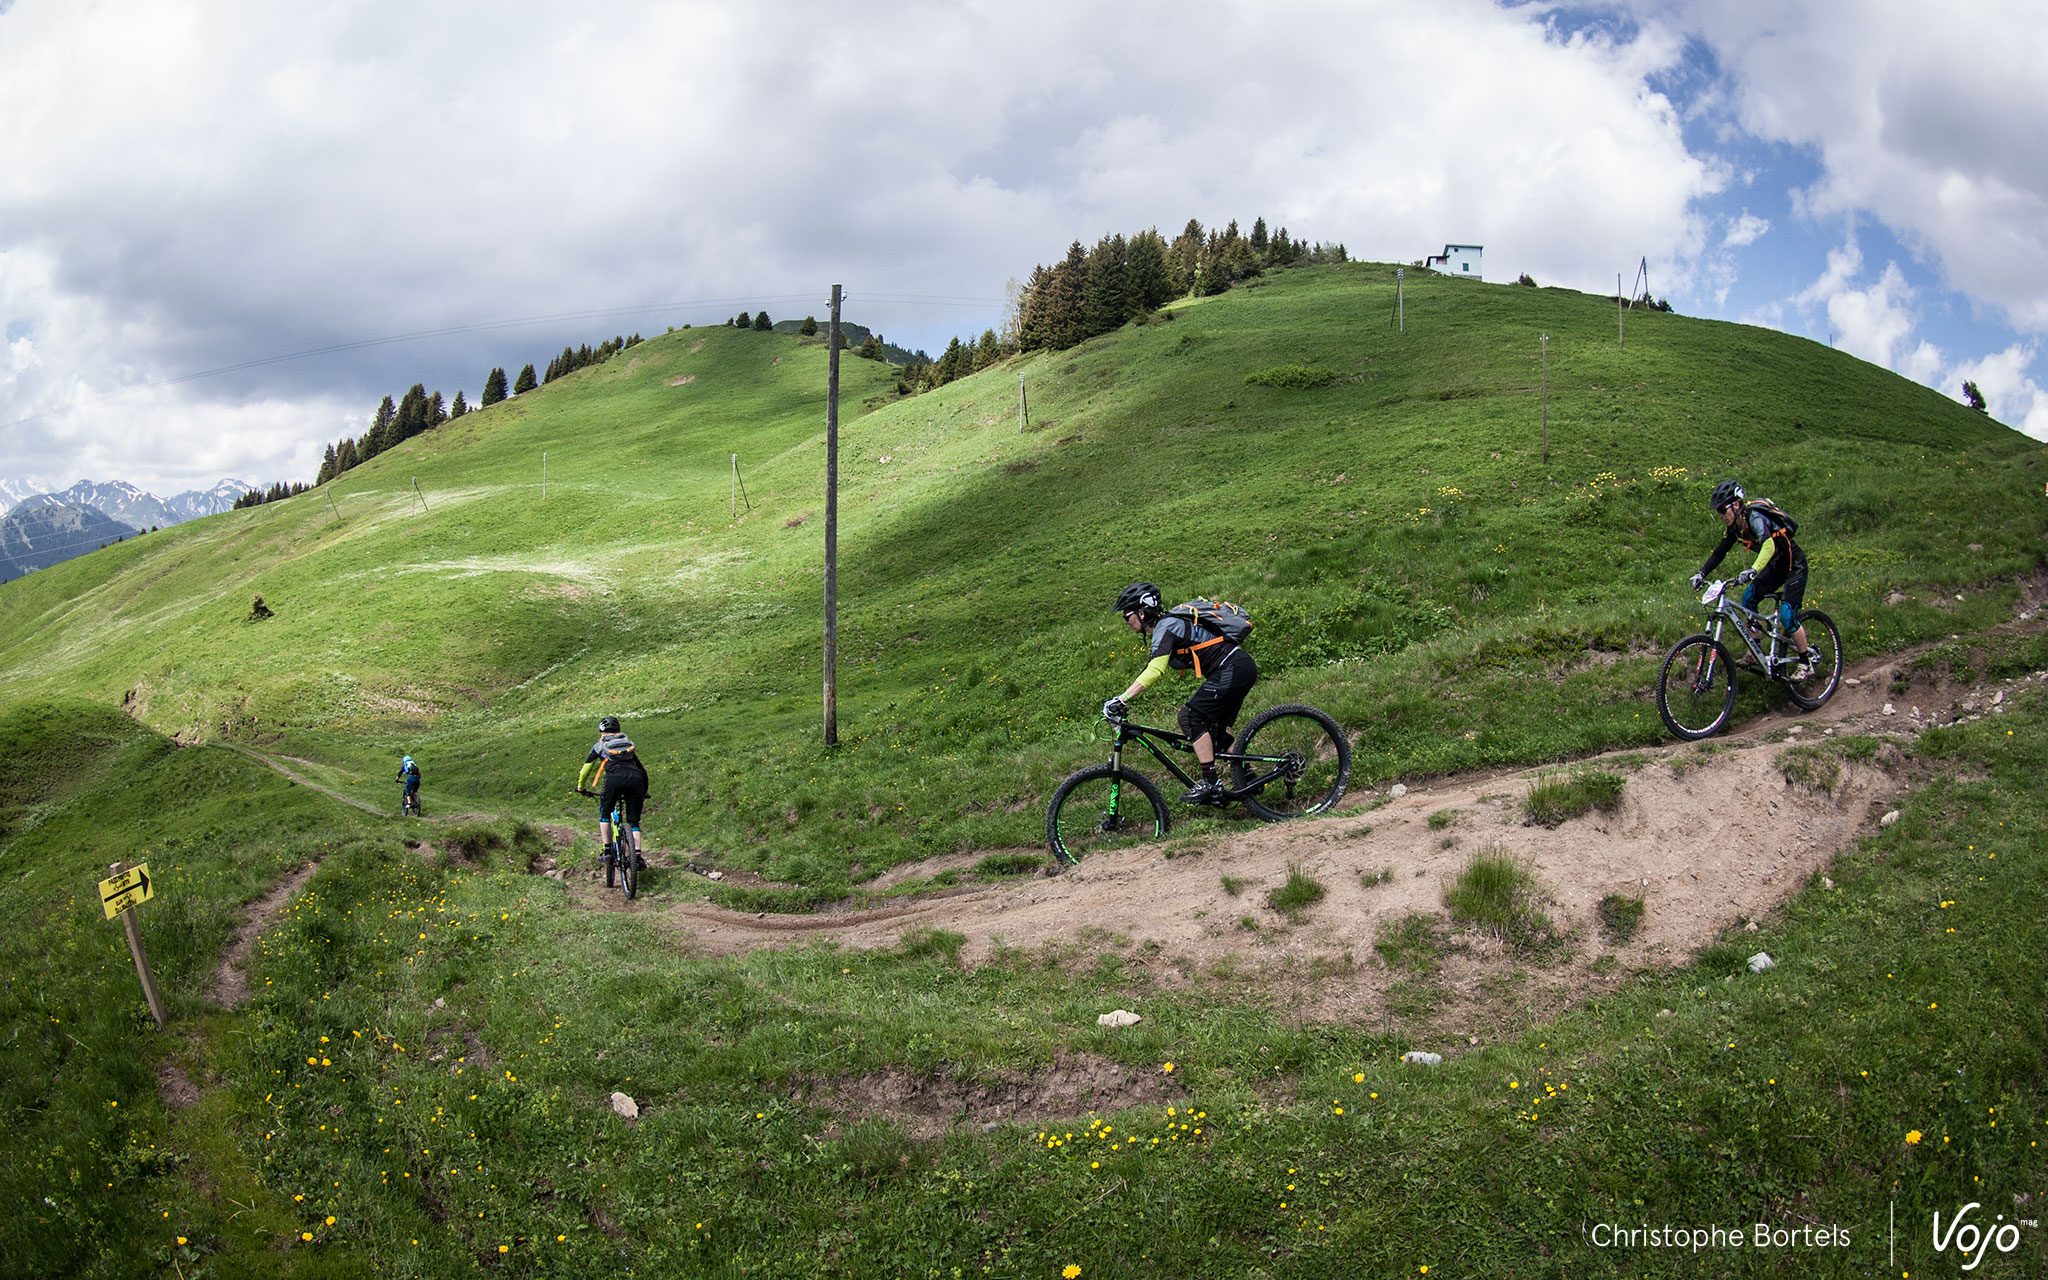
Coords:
1149,737
1722,611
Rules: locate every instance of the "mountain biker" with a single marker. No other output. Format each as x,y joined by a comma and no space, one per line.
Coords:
1780,564
1227,670
615,766
409,776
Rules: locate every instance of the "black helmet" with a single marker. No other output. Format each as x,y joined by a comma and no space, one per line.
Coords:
1726,494
1139,597
610,724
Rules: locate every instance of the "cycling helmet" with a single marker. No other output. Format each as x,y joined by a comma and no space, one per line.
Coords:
1139,597
405,763
610,724
1726,494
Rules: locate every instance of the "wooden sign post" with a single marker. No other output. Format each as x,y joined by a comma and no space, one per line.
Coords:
119,895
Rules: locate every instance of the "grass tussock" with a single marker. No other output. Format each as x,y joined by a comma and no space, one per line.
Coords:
1560,798
1498,896
1620,916
1294,898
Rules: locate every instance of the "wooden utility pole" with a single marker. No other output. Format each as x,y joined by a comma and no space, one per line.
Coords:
832,530
1546,399
1022,414
1400,299
416,491
1620,311
331,507
543,475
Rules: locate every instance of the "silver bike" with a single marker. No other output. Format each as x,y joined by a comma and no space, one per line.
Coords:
1696,688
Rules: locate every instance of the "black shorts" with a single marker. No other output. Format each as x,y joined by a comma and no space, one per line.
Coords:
1214,706
1788,581
629,791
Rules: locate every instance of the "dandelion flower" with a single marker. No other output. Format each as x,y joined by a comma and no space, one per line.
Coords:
1071,1270
1913,1137
1358,1077
1167,1068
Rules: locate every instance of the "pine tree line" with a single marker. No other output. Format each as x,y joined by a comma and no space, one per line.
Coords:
574,358
257,497
1095,291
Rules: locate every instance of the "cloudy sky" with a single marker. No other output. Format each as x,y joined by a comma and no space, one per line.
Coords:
195,195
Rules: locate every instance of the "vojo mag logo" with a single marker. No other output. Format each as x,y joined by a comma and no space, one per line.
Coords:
1971,1238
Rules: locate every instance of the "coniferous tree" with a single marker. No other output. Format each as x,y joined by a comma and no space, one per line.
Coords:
327,471
1184,259
1067,300
809,328
494,388
1108,299
460,406
987,351
1259,236
870,348
1146,271
1033,328
762,323
437,410
525,382
1974,397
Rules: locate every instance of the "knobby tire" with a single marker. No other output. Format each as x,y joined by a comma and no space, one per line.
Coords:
1694,701
1078,821
1321,749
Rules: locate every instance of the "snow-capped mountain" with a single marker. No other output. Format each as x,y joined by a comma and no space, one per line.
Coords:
194,503
41,531
14,491
123,502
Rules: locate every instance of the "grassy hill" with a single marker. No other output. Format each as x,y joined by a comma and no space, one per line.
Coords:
1411,561
418,1081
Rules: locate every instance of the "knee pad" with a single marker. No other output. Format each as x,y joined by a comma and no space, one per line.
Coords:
1785,614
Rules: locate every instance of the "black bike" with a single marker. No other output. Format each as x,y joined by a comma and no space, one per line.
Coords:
1290,762
621,865
409,804
1696,687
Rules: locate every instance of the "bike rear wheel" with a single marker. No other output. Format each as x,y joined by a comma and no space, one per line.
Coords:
611,865
1103,808
1317,759
1696,688
1826,643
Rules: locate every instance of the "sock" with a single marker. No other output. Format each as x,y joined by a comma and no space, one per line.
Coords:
1209,772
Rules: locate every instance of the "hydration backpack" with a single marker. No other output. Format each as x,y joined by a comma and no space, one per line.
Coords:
1776,513
1222,619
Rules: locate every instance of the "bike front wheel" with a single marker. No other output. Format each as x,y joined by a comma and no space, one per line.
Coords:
1103,808
1826,643
1696,688
611,867
629,873
1312,753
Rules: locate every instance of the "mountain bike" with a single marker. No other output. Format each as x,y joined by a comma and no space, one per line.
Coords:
621,865
1291,761
1696,687
409,804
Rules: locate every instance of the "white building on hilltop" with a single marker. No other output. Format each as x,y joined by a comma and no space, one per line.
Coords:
1457,260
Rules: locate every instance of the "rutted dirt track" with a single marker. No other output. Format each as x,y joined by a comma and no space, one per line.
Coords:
1709,835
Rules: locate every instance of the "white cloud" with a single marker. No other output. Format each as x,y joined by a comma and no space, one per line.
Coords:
2010,394
1745,230
1924,118
195,185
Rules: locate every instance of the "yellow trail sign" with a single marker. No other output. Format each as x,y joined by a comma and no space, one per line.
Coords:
122,891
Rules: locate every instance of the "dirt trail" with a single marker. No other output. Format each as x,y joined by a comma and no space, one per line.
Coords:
230,985
1710,836
279,765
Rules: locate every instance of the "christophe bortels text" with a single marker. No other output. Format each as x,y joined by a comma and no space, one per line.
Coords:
1717,1236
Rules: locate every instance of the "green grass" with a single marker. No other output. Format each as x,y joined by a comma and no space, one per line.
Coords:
1620,916
1442,818
1408,574
1297,895
1498,896
1559,798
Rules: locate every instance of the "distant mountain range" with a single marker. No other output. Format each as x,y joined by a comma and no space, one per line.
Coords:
119,500
41,529
44,530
